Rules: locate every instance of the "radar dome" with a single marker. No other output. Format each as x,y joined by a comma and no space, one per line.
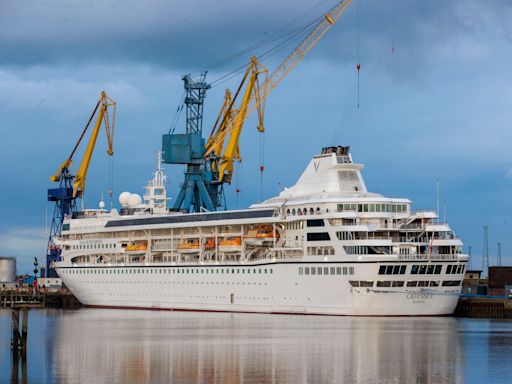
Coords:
124,199
102,204
134,201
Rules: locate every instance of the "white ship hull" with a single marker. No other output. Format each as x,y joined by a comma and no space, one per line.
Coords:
337,250
280,290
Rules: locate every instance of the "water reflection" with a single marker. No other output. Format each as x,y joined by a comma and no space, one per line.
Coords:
149,347
115,346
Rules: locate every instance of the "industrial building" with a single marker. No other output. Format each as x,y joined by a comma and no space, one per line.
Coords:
7,270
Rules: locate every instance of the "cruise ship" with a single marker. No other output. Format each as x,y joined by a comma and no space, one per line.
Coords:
324,246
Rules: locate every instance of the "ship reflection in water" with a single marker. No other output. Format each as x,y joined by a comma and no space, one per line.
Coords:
117,346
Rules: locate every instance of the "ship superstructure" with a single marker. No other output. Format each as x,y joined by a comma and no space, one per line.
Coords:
323,246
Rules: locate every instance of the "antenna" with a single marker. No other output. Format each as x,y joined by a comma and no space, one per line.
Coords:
499,254
485,261
469,257
437,198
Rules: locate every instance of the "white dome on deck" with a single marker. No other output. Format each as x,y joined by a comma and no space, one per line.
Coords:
124,199
134,201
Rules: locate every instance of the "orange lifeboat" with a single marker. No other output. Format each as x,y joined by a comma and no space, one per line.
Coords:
209,244
137,246
263,235
231,244
189,246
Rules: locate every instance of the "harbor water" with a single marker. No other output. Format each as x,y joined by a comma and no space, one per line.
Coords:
130,346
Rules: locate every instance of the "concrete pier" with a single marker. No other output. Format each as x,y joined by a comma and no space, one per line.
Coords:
484,307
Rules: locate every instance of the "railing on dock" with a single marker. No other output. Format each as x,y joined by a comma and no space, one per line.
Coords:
14,299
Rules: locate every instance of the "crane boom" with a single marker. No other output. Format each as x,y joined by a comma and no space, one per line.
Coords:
258,97
233,122
105,102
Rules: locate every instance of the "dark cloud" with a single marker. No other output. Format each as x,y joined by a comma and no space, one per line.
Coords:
189,35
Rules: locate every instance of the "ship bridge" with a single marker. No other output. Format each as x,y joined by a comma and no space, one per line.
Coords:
330,174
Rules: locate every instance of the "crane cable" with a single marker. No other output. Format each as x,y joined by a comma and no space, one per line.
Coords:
290,38
358,51
276,35
262,162
177,114
393,27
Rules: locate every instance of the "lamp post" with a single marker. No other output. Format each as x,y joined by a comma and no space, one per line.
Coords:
36,263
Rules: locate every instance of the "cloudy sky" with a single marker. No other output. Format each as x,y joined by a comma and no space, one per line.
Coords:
439,106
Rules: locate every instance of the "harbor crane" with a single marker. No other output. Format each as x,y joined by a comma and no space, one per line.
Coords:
71,187
209,165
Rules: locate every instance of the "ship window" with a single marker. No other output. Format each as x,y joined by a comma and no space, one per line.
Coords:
232,271
354,283
434,283
350,270
300,270
319,236
422,283
326,271
313,270
344,270
338,270
365,207
372,207
402,269
414,270
306,270
293,211
451,283
430,269
437,269
449,269
319,270
366,284
396,270
383,283
397,284
389,270
412,283
259,270
315,223
311,212
423,269
333,271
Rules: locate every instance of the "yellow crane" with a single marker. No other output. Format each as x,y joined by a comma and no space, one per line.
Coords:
231,119
102,111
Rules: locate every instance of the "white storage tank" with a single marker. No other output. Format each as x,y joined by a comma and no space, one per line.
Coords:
7,269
